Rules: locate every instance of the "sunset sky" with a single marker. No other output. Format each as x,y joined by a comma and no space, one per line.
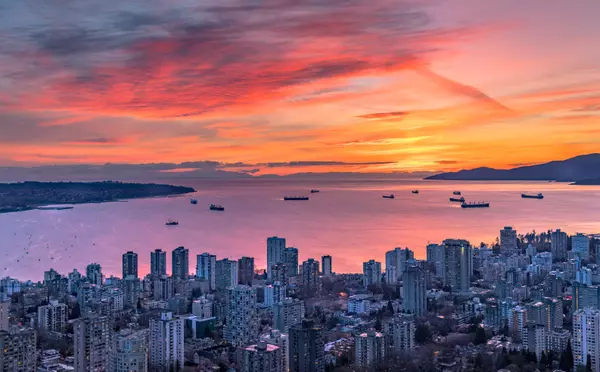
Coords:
371,86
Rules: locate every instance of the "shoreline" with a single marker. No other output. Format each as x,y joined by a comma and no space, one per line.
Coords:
68,206
61,195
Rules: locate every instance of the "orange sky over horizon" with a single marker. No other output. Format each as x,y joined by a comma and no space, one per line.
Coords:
388,86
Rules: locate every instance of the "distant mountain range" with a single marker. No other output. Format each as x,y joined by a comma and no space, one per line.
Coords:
582,170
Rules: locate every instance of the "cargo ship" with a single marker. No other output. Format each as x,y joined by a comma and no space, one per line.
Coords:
171,223
531,196
391,196
295,198
475,205
458,200
216,207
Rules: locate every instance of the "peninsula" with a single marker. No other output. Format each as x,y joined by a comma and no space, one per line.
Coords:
582,170
22,196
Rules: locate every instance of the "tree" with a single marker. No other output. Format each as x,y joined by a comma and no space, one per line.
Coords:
566,358
503,360
332,322
530,357
478,363
543,360
550,359
480,336
390,308
422,334
75,312
588,363
378,325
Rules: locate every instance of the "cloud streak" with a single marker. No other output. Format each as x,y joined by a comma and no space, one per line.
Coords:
217,56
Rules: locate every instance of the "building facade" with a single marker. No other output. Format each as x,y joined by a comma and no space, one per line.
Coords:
282,341
435,257
227,274
158,263
458,264
275,252
580,244
18,351
415,291
369,348
287,313
586,339
241,326
166,343
307,347
130,351
291,261
262,357
246,270
559,241
53,317
130,264
93,273
535,339
400,331
92,338
4,313
310,277
131,291
371,273
180,263
206,268
508,241
326,265
398,259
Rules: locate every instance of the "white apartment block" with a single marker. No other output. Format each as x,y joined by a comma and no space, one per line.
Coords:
53,317
166,342
586,338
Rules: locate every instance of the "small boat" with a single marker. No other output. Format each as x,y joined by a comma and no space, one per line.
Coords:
216,207
172,223
456,193
390,196
415,191
295,198
314,191
531,196
458,200
475,205
193,201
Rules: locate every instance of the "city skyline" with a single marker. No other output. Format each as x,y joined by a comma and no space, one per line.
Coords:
509,292
388,86
145,266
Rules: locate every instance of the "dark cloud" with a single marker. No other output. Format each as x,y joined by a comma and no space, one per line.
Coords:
152,171
69,41
178,59
99,140
131,21
320,163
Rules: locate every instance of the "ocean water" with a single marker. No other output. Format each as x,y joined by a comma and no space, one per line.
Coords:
348,220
